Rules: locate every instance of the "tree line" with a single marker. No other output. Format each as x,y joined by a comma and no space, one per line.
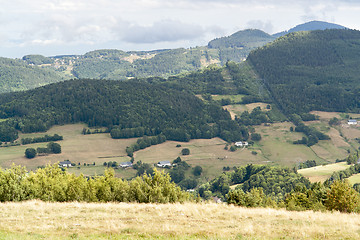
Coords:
53,184
45,138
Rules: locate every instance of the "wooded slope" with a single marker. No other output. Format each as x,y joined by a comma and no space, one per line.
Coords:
316,70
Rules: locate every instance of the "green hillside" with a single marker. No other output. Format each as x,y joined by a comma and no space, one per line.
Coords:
135,107
17,75
242,39
316,70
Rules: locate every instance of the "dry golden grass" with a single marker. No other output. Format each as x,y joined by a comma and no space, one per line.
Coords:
329,115
39,220
76,147
350,132
237,109
207,153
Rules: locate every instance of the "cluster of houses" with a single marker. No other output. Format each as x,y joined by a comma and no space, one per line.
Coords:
162,164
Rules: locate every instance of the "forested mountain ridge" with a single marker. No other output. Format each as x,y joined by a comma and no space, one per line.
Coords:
36,70
315,70
138,107
16,75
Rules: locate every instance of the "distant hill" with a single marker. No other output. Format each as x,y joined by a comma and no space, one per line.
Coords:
17,75
315,70
117,64
247,38
35,70
310,26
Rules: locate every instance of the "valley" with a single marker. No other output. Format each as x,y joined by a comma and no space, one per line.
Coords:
162,120
275,148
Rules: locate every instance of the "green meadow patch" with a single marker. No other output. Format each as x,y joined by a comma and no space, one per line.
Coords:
321,173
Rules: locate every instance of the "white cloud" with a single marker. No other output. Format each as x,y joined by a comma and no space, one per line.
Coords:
162,31
147,23
265,26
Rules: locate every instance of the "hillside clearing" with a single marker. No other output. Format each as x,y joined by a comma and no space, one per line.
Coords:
321,173
39,220
237,109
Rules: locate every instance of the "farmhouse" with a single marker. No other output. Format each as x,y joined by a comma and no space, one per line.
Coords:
126,164
241,144
66,163
352,121
164,164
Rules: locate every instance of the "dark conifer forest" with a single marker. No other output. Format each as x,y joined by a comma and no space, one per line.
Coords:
315,70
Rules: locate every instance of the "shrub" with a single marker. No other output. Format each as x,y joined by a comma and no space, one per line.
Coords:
342,197
30,153
54,147
185,151
197,170
233,148
255,137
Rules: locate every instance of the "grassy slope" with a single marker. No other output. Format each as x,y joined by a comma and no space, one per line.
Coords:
321,173
78,148
41,220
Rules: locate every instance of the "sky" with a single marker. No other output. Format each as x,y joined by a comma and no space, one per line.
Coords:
62,27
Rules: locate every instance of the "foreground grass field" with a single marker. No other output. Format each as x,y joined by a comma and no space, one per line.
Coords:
41,220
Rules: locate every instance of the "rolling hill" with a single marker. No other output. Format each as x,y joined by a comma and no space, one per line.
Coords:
36,70
310,26
17,75
316,70
138,107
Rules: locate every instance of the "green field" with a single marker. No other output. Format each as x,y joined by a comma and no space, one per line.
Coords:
321,173
233,98
354,179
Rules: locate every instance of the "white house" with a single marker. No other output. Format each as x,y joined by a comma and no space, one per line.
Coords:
241,144
126,164
66,163
352,121
164,164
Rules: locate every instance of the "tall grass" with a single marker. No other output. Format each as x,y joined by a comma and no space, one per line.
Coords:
43,220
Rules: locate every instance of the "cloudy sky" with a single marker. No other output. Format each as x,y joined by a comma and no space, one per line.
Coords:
55,27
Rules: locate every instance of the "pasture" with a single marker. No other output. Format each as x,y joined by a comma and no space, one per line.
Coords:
354,179
74,220
76,147
233,98
321,173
